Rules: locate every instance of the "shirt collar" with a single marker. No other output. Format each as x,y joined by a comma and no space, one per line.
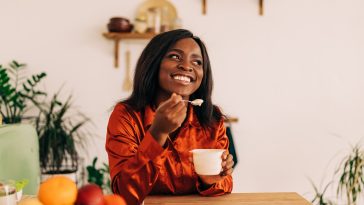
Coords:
149,114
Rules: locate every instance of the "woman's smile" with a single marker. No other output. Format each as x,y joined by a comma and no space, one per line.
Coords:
182,78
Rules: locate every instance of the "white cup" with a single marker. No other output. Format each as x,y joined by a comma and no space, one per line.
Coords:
207,161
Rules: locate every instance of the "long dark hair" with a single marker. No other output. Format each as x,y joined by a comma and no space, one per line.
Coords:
146,84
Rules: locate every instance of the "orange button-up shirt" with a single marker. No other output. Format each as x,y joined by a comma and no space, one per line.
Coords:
139,166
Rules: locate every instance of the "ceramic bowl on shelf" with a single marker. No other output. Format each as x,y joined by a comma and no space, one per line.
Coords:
119,24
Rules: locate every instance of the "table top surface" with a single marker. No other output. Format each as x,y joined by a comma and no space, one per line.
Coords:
282,198
288,198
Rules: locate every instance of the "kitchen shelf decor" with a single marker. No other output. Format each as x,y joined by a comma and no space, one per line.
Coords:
117,37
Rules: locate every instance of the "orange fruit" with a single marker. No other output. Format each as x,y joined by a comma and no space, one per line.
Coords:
114,199
57,190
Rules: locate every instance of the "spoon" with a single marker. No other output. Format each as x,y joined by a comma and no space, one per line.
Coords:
195,102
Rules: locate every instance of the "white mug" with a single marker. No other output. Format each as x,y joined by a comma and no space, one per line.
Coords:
207,161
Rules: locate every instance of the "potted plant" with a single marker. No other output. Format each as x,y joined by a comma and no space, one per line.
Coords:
350,183
60,130
99,176
16,90
351,175
18,93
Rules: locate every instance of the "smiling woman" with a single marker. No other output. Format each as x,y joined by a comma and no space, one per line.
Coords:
150,134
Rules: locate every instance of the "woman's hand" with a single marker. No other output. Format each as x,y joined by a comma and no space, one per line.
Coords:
168,117
227,169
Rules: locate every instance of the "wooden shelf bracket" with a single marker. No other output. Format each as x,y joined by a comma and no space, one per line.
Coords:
261,7
117,37
204,4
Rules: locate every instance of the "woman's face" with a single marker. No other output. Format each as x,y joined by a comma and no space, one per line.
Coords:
181,69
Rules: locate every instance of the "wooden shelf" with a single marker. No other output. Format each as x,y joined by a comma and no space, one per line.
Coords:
117,37
231,119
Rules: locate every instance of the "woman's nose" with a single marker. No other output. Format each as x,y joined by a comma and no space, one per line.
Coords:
184,67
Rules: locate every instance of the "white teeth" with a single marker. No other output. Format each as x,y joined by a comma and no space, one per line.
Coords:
182,78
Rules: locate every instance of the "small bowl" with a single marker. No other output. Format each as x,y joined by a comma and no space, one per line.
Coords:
120,28
119,24
119,19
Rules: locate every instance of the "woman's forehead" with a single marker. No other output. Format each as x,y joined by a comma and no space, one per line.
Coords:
187,45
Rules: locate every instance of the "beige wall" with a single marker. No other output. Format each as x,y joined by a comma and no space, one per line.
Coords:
293,77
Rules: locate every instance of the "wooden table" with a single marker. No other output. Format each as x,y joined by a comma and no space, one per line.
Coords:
231,199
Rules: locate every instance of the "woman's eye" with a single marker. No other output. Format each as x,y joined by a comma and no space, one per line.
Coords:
197,62
174,56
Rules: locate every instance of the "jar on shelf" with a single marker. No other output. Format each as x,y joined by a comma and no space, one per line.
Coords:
177,24
154,19
150,14
165,23
157,20
140,25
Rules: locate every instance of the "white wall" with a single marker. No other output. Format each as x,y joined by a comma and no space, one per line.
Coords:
293,77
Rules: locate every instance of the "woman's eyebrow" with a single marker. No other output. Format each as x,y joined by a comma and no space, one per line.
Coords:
176,50
196,56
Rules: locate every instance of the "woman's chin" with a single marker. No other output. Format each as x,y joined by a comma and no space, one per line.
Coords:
184,94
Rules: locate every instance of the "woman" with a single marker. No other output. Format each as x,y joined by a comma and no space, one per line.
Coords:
150,134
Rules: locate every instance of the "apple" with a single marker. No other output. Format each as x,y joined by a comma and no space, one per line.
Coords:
90,194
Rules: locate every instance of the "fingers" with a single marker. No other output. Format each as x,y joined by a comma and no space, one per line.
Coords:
174,100
170,114
227,164
174,107
227,172
224,155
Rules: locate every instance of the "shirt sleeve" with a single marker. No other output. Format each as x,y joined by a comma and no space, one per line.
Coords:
225,185
134,160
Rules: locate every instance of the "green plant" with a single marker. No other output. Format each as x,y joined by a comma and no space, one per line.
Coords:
20,184
99,176
320,198
16,90
59,132
351,175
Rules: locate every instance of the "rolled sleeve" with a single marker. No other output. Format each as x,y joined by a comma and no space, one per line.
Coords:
134,156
